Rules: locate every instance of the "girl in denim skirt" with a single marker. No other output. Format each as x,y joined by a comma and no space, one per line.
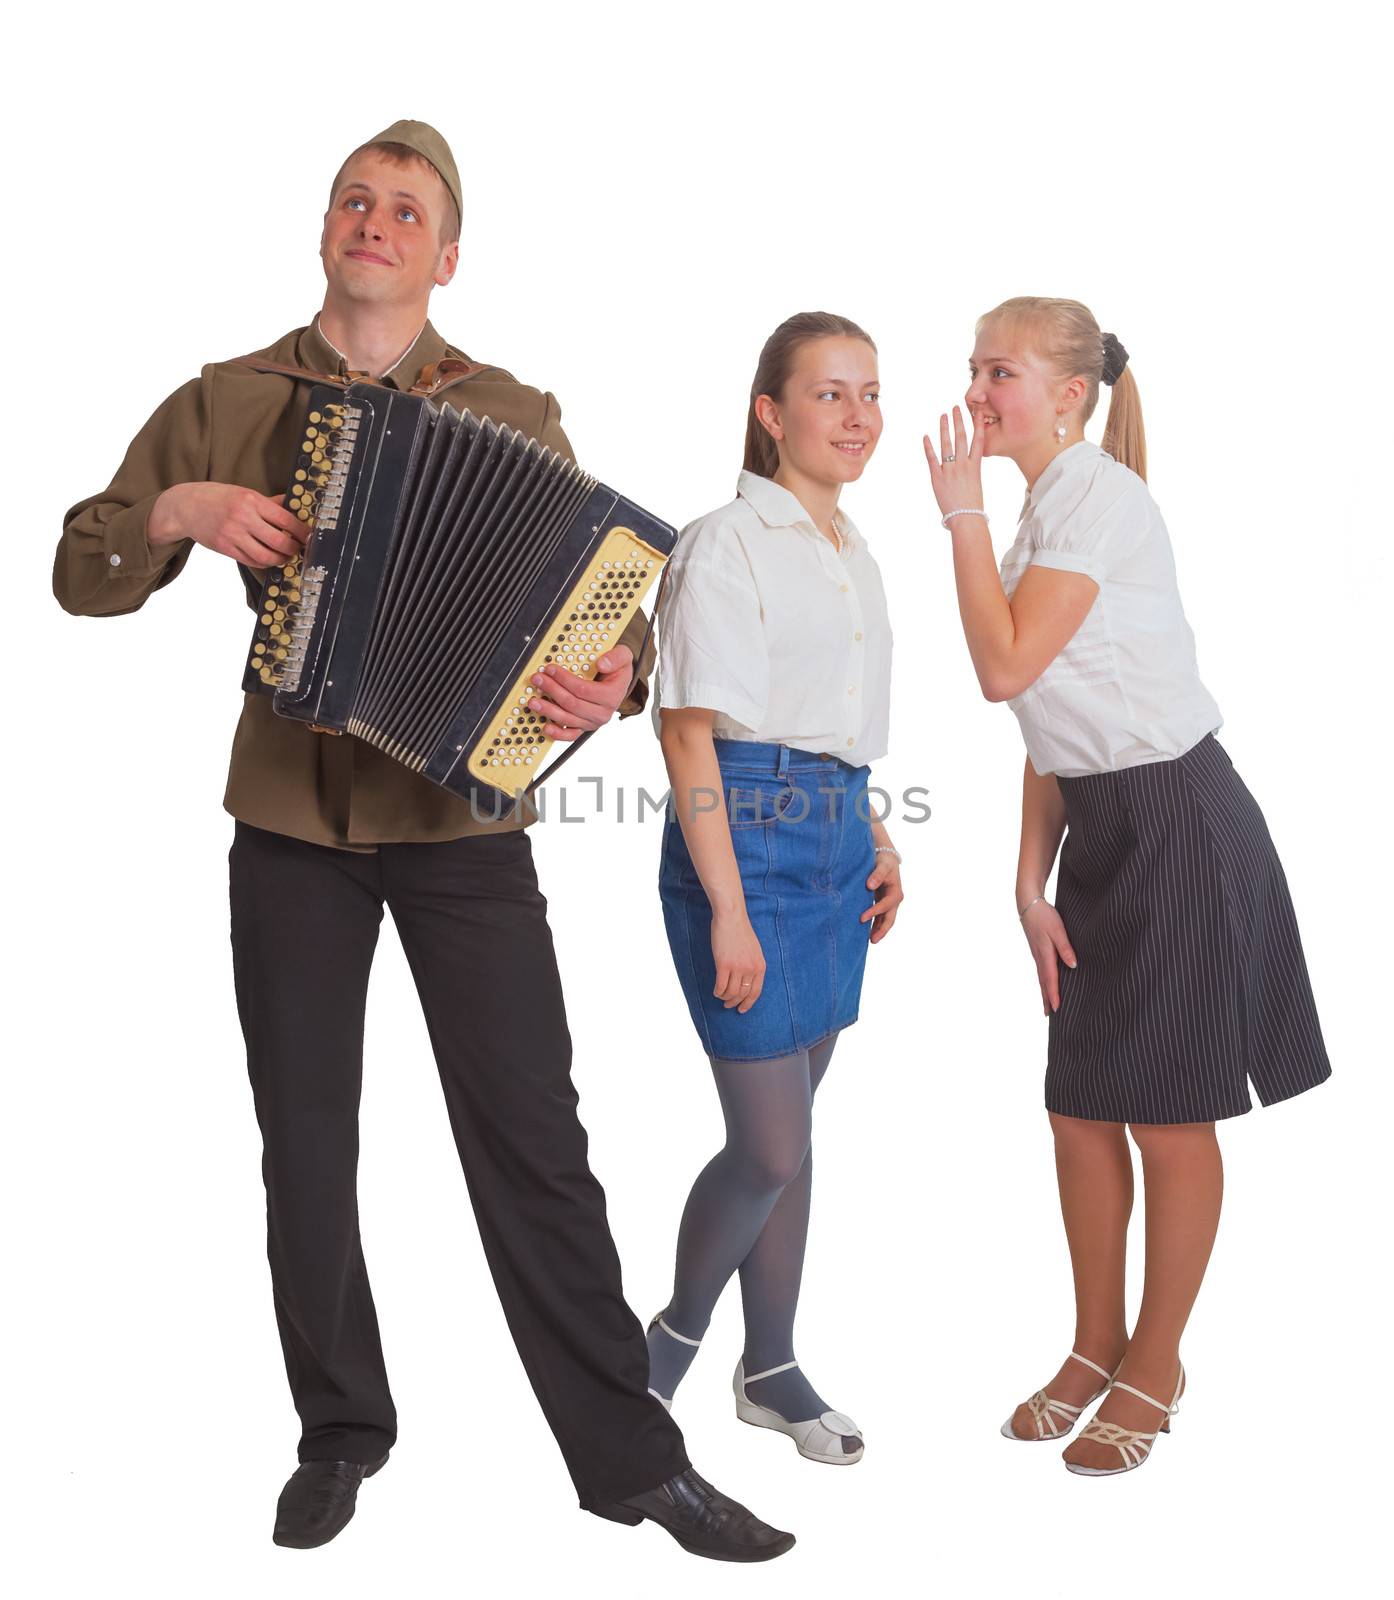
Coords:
772,698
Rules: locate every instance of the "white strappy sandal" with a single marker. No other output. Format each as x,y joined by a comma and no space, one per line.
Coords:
656,1321
1055,1418
1132,1444
818,1439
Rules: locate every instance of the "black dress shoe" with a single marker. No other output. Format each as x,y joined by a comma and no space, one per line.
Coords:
318,1501
703,1520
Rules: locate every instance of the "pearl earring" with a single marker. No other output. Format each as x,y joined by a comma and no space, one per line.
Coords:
1060,431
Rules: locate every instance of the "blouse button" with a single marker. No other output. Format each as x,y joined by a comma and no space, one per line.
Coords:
853,689
116,561
856,636
851,741
844,588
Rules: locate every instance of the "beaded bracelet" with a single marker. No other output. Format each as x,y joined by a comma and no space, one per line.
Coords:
963,511
896,853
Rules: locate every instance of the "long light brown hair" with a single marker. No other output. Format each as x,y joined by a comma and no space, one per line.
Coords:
772,374
1068,336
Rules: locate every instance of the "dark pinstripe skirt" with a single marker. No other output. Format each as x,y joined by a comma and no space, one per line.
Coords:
1191,980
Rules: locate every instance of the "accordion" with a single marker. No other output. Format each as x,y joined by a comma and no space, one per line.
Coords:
449,559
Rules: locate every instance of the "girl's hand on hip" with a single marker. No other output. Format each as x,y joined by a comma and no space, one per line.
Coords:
885,884
1050,945
740,962
956,473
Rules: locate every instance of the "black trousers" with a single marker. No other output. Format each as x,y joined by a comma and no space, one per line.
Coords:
473,923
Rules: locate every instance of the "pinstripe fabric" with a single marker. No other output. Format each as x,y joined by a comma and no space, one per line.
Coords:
1191,979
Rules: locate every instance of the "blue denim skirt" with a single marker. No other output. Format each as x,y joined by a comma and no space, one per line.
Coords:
801,831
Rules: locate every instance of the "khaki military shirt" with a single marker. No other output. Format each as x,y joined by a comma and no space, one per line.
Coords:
233,425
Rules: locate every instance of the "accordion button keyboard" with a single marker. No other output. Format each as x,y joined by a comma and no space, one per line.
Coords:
589,621
306,497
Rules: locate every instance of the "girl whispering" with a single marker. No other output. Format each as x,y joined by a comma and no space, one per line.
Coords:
1170,964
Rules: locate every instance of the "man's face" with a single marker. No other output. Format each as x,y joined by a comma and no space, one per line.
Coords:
381,240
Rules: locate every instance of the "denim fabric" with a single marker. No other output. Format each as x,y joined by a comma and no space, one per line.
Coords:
801,831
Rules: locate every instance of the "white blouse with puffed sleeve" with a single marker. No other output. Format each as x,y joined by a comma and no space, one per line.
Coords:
785,637
1125,690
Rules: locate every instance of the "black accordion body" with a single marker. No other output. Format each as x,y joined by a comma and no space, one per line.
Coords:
449,560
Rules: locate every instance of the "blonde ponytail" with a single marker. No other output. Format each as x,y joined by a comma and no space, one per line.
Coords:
1066,333
1124,438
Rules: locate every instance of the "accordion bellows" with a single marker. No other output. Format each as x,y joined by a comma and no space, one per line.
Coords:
449,560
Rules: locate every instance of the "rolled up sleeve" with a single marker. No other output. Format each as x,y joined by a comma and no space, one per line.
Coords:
712,648
1089,525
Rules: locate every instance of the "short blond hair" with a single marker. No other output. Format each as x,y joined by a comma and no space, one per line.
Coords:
402,155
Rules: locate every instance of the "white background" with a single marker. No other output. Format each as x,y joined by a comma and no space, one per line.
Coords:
648,191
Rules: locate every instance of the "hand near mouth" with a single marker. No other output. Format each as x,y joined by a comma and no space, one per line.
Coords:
957,472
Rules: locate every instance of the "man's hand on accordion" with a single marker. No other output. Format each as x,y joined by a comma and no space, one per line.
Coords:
573,705
251,528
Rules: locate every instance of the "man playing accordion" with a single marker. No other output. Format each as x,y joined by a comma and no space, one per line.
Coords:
330,830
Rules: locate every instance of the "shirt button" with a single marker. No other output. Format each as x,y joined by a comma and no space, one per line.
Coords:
852,689
116,561
845,588
851,741
856,636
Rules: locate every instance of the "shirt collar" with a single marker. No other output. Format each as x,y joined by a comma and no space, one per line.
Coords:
315,352
778,508
1079,454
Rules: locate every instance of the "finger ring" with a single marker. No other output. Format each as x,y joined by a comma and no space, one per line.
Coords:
950,458
745,983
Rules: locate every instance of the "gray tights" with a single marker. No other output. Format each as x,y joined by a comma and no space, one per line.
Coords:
748,1211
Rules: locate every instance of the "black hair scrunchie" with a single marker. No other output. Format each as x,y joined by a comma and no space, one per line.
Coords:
1115,359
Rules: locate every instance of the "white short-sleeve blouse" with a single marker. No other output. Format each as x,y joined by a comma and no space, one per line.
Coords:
1125,690
785,637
